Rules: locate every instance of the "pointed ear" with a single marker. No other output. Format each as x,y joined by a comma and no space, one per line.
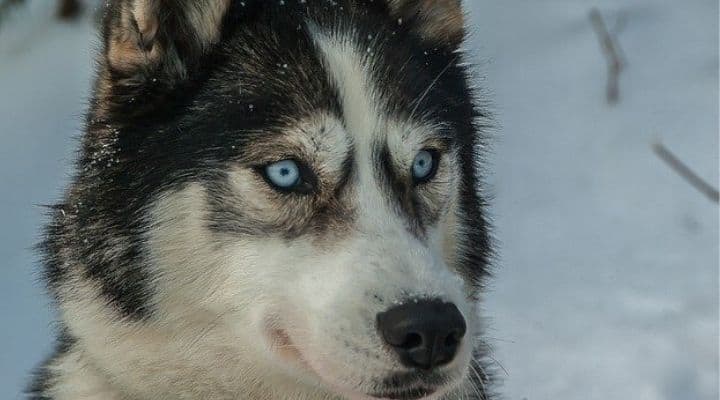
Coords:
160,36
440,21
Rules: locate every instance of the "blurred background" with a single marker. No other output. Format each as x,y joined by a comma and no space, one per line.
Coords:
606,284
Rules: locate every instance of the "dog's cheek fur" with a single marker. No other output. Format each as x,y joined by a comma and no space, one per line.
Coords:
209,292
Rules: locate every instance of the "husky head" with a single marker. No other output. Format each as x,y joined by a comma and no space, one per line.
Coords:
277,199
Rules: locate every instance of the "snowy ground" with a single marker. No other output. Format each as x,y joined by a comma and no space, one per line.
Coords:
44,80
607,284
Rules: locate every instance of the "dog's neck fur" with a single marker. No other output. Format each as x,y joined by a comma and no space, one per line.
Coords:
76,377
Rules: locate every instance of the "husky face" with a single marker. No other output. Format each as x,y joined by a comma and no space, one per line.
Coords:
277,201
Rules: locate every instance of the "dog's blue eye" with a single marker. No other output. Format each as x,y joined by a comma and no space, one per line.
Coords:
424,166
283,174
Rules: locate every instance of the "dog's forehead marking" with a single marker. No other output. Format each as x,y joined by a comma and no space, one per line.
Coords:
360,102
349,72
363,103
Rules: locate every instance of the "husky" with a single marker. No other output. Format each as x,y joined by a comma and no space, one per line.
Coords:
273,199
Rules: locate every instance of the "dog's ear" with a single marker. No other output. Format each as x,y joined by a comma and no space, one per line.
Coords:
440,21
160,36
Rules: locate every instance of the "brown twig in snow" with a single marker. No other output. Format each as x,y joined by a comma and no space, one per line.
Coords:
6,7
685,172
66,9
612,52
69,9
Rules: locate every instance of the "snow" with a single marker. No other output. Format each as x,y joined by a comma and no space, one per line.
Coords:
607,284
44,70
607,278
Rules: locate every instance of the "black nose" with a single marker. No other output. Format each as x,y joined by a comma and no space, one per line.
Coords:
425,334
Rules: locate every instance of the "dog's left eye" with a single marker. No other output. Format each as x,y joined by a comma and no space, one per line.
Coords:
425,166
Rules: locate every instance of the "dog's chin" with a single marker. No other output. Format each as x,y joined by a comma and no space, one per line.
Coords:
290,353
411,393
419,393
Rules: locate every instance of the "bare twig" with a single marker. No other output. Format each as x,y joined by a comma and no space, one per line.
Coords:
686,173
66,9
612,52
6,6
69,9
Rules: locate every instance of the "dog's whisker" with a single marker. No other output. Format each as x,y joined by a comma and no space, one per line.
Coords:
480,380
432,84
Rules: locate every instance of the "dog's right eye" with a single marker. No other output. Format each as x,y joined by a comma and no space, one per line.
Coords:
283,174
287,176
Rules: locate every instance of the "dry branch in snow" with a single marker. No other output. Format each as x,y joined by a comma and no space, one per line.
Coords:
69,9
684,171
66,9
6,6
612,52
